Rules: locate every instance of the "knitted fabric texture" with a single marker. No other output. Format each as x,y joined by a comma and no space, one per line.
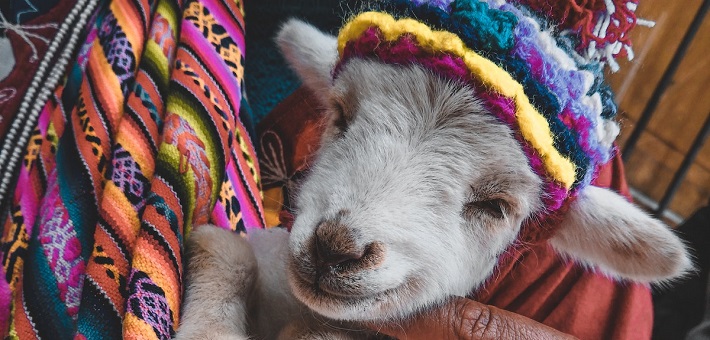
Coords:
600,28
556,103
143,141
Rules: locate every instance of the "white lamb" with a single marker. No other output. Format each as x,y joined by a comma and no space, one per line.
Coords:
416,192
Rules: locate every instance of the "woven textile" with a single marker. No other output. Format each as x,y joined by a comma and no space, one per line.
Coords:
143,141
36,43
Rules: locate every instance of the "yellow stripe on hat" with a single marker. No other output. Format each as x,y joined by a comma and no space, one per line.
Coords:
533,126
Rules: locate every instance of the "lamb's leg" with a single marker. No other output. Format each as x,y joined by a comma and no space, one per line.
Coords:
220,275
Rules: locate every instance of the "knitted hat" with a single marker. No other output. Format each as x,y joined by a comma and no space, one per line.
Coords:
536,66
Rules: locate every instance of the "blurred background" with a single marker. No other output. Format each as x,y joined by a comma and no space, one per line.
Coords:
664,100
664,103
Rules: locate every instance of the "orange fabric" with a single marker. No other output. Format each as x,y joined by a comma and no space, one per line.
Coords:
535,282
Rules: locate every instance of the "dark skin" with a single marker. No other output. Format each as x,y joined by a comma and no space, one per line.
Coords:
462,318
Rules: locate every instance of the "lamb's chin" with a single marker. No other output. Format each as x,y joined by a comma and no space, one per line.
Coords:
391,304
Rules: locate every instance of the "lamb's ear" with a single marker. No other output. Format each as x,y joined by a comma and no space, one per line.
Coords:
309,52
604,230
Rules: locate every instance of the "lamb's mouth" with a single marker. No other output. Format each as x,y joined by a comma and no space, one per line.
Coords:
329,301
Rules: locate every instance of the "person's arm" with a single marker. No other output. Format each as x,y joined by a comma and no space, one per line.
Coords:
463,318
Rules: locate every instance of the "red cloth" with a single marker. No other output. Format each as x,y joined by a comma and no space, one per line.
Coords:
535,282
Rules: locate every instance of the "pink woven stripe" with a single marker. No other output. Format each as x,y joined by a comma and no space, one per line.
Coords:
61,246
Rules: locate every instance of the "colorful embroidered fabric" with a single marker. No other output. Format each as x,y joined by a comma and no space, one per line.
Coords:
557,105
142,142
26,31
37,38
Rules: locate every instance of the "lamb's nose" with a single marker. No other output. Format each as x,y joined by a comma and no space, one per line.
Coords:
333,258
335,245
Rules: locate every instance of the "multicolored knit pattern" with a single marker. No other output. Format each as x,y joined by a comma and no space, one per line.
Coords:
142,142
600,28
559,108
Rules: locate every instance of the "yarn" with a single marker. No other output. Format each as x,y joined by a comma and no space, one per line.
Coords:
602,26
405,51
528,75
467,17
533,125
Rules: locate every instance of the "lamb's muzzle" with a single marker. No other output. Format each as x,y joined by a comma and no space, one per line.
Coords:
337,250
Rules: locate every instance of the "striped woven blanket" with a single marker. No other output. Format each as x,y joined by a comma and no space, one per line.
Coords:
129,134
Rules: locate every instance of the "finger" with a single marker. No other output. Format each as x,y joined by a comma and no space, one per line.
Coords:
467,319
480,321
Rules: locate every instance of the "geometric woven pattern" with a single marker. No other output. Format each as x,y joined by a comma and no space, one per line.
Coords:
141,142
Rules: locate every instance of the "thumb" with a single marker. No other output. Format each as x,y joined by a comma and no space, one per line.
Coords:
462,318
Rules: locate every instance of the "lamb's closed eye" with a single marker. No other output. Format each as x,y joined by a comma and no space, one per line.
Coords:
494,207
341,116
502,196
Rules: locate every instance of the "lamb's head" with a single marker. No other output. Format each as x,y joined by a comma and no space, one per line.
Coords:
415,192
418,188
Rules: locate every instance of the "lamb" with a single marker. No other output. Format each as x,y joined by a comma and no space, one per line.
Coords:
415,193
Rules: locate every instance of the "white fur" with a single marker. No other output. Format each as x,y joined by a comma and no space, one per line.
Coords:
604,230
219,281
311,52
412,174
417,149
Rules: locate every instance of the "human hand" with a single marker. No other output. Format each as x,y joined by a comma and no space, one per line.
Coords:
462,318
